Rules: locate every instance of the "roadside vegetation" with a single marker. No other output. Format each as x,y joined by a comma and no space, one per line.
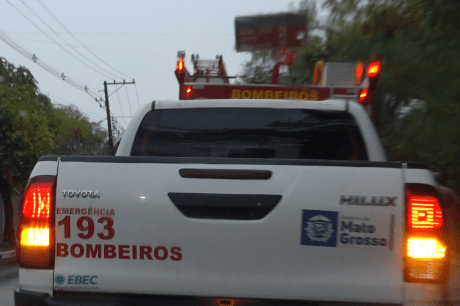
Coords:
31,126
417,99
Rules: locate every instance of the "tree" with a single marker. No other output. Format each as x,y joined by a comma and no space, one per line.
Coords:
26,131
30,126
418,42
419,64
77,135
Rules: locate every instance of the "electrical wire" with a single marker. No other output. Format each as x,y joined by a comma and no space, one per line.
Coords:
81,42
83,112
116,89
32,57
169,34
91,113
53,39
65,40
60,101
53,72
119,102
45,66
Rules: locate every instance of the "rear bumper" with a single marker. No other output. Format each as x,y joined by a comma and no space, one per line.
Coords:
25,298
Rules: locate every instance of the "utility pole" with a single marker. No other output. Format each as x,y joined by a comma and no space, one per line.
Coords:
109,125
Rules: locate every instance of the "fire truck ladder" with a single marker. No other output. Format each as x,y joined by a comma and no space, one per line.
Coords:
209,71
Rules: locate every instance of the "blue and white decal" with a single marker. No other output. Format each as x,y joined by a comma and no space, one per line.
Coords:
76,282
334,229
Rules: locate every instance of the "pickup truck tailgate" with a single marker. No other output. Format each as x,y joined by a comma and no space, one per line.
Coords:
304,230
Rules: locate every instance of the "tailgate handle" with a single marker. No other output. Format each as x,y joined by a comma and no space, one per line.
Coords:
224,206
229,174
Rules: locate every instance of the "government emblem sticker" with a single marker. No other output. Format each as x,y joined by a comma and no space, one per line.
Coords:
319,228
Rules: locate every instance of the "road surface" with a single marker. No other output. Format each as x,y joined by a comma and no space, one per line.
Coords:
8,281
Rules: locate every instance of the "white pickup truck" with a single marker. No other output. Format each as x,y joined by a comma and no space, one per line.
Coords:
231,202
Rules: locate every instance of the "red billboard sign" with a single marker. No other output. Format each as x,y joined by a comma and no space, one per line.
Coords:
261,32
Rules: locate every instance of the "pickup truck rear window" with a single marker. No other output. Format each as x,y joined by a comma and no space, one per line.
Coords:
250,133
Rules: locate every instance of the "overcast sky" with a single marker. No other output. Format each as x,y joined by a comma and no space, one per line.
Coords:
139,38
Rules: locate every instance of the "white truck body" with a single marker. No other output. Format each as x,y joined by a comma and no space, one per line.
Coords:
335,233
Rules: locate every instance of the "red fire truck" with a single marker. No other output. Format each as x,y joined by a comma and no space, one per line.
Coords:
351,81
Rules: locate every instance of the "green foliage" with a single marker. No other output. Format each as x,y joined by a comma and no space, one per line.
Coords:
30,126
307,57
258,69
27,130
418,43
76,135
419,49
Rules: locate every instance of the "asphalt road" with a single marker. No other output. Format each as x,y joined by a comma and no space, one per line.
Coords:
415,294
8,281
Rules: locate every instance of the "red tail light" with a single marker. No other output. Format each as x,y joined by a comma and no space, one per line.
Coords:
37,202
36,224
373,69
363,95
425,248
424,213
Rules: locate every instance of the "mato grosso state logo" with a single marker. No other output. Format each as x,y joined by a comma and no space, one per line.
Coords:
319,228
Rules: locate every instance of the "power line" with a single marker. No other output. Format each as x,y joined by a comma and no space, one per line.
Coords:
83,112
80,41
101,49
120,105
27,54
60,101
53,39
45,66
90,113
67,42
169,34
52,71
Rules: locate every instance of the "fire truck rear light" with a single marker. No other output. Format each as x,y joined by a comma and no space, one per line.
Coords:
37,202
188,91
363,95
359,73
180,64
373,69
35,237
424,213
